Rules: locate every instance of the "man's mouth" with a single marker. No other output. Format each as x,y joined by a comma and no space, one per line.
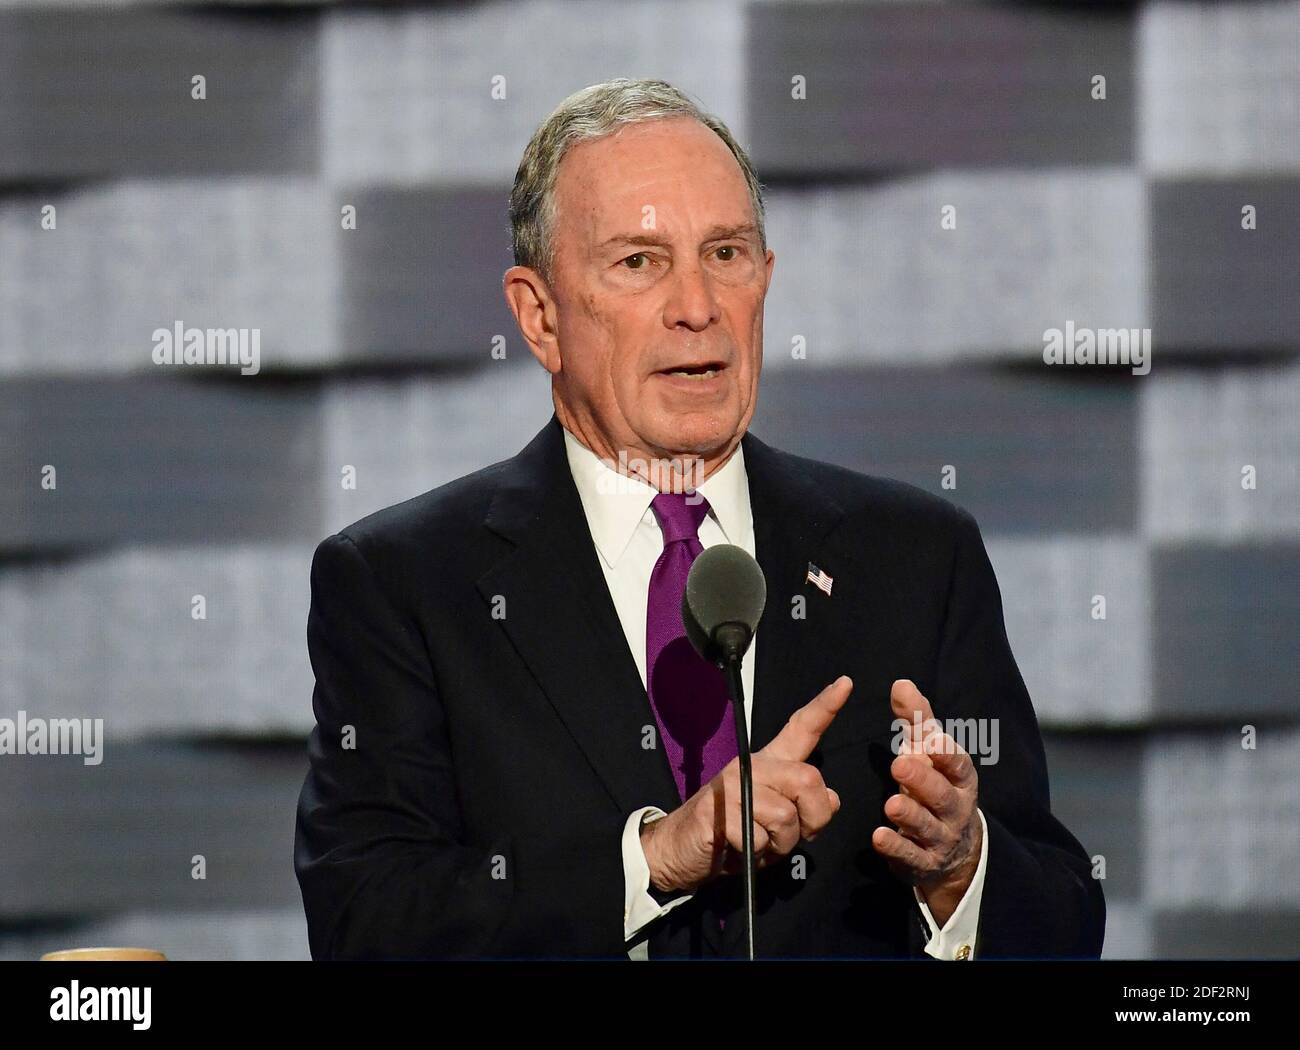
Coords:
706,370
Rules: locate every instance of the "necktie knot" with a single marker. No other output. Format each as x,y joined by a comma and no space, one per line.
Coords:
680,514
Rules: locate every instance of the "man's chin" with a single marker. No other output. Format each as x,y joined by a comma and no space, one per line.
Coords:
696,434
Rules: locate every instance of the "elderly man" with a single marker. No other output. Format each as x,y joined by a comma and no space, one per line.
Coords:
517,753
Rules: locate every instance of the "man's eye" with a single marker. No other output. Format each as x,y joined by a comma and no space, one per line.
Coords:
638,255
729,248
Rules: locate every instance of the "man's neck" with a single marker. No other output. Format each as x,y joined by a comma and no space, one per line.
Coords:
662,469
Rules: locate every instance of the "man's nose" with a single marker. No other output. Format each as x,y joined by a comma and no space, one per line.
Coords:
693,301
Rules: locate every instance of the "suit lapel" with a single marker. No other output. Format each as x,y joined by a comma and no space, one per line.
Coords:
561,620
792,520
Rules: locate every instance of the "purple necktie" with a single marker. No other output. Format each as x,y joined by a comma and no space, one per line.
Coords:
688,694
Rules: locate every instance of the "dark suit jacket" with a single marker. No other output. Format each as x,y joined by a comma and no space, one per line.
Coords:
480,719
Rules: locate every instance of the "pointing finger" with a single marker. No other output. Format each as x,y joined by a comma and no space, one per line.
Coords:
801,733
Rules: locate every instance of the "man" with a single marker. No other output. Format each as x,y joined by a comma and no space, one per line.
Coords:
518,754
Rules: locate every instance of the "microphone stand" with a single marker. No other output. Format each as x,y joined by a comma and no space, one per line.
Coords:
732,639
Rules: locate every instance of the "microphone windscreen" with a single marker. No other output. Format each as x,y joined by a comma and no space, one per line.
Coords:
725,585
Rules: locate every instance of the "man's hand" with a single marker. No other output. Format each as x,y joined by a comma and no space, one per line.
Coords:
937,844
701,839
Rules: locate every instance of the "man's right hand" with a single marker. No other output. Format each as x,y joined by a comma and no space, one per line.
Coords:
701,839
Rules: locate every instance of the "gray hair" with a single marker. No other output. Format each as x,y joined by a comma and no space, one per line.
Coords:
593,113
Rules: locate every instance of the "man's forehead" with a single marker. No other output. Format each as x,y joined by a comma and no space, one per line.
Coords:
592,172
653,211
664,232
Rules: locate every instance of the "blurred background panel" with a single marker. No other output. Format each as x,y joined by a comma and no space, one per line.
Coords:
109,91
256,249
1026,251
946,183
900,86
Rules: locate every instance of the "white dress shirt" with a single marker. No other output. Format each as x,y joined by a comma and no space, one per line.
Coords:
629,541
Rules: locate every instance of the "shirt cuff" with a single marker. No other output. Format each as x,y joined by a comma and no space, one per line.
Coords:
957,939
639,907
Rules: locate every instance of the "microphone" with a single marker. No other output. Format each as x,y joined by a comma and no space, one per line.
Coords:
721,606
723,602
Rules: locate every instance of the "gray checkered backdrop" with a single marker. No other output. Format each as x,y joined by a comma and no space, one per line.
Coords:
947,184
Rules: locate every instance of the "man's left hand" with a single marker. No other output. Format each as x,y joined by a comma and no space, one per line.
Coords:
937,845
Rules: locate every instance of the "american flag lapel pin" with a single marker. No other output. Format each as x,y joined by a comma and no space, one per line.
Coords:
819,579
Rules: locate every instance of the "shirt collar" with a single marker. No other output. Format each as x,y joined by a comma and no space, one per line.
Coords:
615,503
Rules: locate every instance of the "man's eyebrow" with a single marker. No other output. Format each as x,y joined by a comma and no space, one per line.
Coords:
714,233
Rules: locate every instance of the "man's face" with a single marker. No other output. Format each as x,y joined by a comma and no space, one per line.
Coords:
658,285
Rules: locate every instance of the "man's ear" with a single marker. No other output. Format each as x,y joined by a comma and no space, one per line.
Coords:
530,300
